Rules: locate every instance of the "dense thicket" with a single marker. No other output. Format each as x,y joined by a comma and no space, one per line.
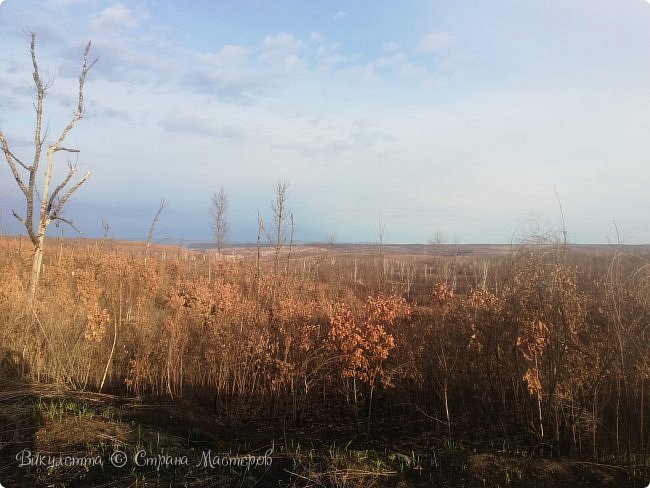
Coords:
544,346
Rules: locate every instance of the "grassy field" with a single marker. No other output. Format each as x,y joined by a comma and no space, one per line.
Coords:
451,366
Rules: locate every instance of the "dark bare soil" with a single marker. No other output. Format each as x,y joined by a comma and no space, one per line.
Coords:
399,451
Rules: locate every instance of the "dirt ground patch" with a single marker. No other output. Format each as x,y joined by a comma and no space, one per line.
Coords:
197,449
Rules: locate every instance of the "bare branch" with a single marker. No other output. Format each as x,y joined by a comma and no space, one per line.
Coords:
161,207
66,149
37,79
80,104
381,233
10,160
46,133
106,227
71,171
38,140
59,220
15,157
559,202
20,219
260,229
69,193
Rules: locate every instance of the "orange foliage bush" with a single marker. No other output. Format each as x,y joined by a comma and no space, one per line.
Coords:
362,341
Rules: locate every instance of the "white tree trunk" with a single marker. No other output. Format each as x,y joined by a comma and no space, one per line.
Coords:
37,262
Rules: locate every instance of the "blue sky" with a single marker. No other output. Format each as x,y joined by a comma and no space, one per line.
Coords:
458,117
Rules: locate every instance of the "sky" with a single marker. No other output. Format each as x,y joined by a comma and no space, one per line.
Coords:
473,119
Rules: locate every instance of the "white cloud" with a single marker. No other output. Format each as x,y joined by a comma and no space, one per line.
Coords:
233,53
282,42
329,61
317,37
280,50
434,42
202,126
228,56
292,62
121,59
390,47
399,63
409,69
358,137
330,56
65,3
361,73
341,14
117,14
233,74
384,61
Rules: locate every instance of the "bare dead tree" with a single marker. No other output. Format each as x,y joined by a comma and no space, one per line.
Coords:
152,227
437,242
382,264
381,234
260,230
37,218
282,217
564,232
293,229
330,240
106,226
218,214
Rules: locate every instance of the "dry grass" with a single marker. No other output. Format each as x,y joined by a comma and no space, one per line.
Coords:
546,347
